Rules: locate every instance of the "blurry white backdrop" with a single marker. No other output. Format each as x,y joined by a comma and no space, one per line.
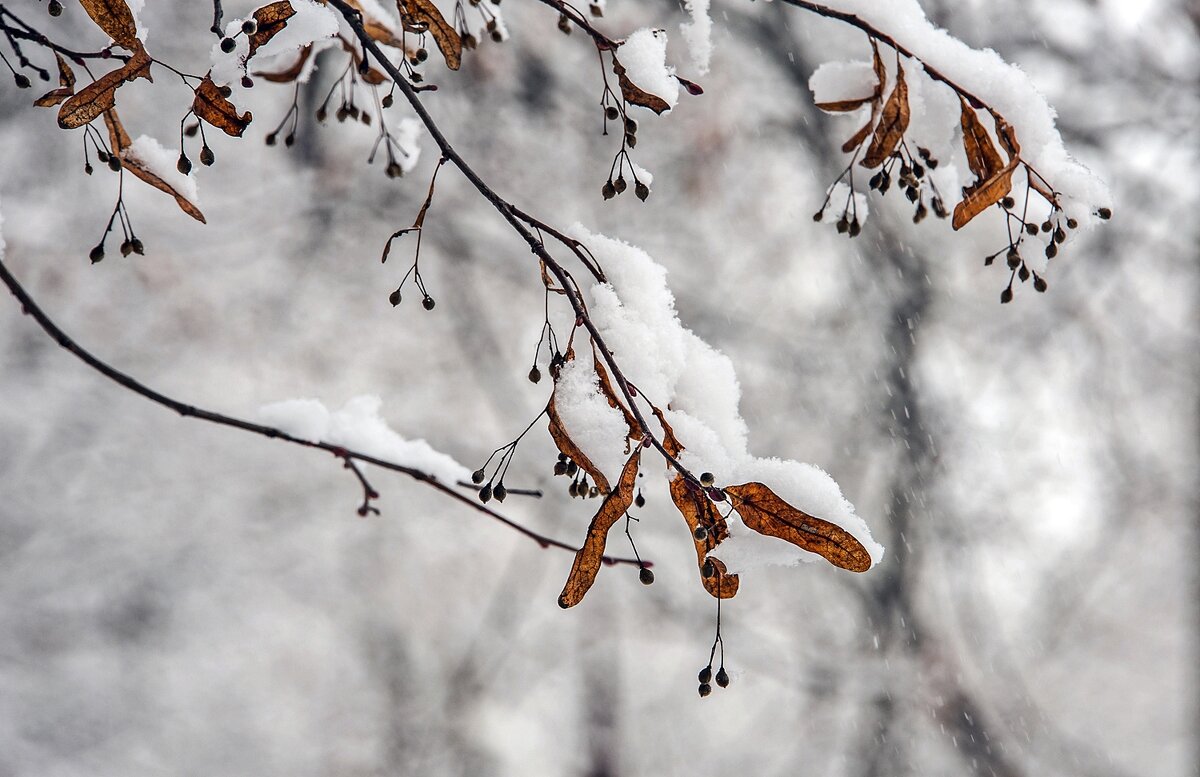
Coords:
180,598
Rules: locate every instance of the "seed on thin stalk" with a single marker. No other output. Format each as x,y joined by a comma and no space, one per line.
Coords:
705,675
535,374
646,576
722,678
485,493
500,492
428,302
701,534
184,165
705,689
611,113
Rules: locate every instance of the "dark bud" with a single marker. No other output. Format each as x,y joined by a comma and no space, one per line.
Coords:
705,675
933,163
249,26
417,78
395,298
1006,296
875,180
818,216
497,37
631,126
422,55
608,190
102,156
270,139
611,113
560,468
716,494
1072,223
1047,226
206,156
342,113
55,8
639,500
911,193
1060,235
184,165
290,140
562,457
126,247
1104,213
114,164
939,208
646,576
492,26
500,492
226,91
593,492
1013,258
596,10
705,689
1031,229
228,44
322,113
1051,250
843,225
722,678
428,302
393,170
706,479
137,246
535,374
620,185
905,171
1023,273
572,468
1039,283
573,489
987,260
469,41
22,81
918,171
855,227
97,253
485,493
477,476
1009,203
191,130
920,213
631,140
87,167
701,534
387,101
885,183
708,569
247,82
564,25
641,190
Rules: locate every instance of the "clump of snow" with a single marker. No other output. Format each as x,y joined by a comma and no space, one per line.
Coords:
673,368
641,173
839,202
312,22
836,81
697,34
644,57
1004,87
135,7
359,427
407,132
162,162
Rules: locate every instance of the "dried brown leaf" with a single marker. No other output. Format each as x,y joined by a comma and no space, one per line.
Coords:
568,447
699,511
606,388
100,95
764,512
981,197
635,94
269,21
669,442
589,557
982,157
66,76
115,18
875,99
424,16
893,122
844,106
212,106
289,74
53,97
119,142
858,137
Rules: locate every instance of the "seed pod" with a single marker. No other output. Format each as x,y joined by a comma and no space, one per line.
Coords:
573,489
701,534
485,493
394,298
631,126
393,170
855,227
706,479
422,55
1031,229
1104,213
228,45
843,225
323,113
630,140
500,492
497,36
226,91
1060,235
875,180
387,101
138,247
593,492
191,130
54,8
206,156
1047,226
1023,273
183,165
1013,258
639,500
290,140
608,190
722,678
646,576
250,26
1051,250
818,216
126,247
911,193
1072,223
716,494
560,468
572,469
1039,283
918,171
641,190
705,689
535,374
270,139
428,302
612,113
1009,203
1006,296
97,253
705,675
920,213
564,25
708,570
477,476
114,164
87,168
620,184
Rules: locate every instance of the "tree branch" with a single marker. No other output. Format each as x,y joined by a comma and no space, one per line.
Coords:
31,308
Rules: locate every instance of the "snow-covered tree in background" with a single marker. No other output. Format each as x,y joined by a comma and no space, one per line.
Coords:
956,132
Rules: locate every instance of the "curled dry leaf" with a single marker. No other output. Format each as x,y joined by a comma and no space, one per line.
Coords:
606,388
101,95
288,74
589,557
269,21
115,18
424,16
119,141
764,512
568,447
66,76
53,97
892,124
635,94
982,157
699,512
982,196
993,177
670,442
875,99
212,106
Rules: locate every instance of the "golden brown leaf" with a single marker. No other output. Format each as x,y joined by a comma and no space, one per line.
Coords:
979,198
844,106
115,18
118,138
606,388
424,16
214,108
269,21
53,97
289,74
893,122
764,512
100,95
635,94
699,511
568,447
858,137
588,558
119,142
66,76
669,442
876,97
982,157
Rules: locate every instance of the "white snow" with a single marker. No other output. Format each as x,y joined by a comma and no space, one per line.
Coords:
162,162
644,57
834,81
358,426
407,132
312,22
1004,87
697,34
837,204
641,173
135,7
672,367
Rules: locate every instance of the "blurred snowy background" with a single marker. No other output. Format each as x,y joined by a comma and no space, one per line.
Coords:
177,598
